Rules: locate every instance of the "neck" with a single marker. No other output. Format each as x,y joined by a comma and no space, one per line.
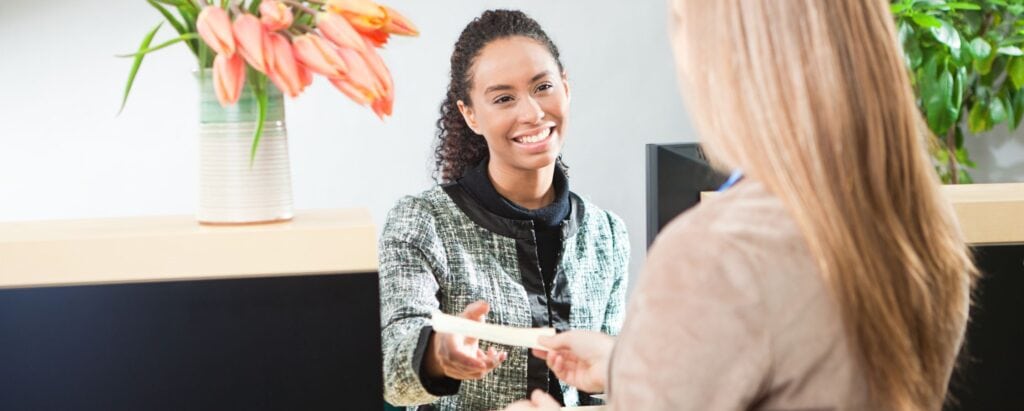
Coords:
530,189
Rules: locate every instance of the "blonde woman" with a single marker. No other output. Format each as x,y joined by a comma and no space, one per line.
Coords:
833,275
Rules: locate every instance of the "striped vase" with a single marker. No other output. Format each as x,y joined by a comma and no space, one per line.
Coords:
233,189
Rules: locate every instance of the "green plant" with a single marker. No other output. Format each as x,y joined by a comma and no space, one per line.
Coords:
967,67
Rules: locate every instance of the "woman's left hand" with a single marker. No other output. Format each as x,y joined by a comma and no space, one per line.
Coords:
539,401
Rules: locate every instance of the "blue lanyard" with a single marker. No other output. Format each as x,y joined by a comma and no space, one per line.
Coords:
736,176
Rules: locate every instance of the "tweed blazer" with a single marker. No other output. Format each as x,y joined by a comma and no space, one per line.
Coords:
442,250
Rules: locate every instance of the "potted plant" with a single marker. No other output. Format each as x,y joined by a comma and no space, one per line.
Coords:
250,54
967,66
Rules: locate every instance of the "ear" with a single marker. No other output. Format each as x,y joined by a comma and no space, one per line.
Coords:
468,115
565,84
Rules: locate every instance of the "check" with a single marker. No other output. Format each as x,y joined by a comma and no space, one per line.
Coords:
519,337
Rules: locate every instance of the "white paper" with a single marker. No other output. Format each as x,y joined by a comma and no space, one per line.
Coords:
515,336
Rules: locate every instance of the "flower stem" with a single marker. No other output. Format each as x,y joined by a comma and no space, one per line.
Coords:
300,6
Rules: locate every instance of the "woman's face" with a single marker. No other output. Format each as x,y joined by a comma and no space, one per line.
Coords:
520,103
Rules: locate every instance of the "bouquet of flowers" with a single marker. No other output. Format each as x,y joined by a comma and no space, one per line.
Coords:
286,41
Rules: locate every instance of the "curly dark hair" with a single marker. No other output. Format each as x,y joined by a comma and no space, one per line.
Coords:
458,147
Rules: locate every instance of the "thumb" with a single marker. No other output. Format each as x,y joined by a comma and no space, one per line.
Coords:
476,311
541,398
560,341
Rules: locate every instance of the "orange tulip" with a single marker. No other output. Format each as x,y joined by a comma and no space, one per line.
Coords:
305,77
339,31
228,78
282,69
214,26
275,15
398,24
363,14
353,92
360,84
384,84
319,55
252,41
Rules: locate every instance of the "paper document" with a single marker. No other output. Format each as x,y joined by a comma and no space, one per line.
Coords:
519,337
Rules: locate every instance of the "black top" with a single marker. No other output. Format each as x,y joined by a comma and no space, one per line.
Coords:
543,252
547,221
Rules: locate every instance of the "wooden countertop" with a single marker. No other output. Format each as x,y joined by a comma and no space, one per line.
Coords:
139,249
988,213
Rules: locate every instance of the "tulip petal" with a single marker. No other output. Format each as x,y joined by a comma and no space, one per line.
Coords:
283,70
275,15
398,24
319,55
354,93
228,78
339,31
251,37
214,26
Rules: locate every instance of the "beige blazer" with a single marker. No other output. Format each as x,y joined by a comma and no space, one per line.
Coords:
731,313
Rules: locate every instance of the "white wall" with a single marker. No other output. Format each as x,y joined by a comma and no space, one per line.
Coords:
64,153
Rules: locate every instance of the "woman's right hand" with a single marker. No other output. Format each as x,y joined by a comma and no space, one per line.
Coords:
459,357
579,358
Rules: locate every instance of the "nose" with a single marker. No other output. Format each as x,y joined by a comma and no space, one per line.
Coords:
531,112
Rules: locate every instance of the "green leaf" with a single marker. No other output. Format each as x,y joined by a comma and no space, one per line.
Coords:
1016,72
937,90
254,6
1010,51
897,8
912,55
183,37
1018,108
136,64
980,48
926,21
964,177
996,111
170,17
1012,116
946,34
959,5
977,118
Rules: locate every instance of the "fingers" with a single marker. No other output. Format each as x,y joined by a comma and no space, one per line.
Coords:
540,398
542,354
476,311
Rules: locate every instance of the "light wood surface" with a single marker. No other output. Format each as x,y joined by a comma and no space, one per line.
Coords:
988,213
140,249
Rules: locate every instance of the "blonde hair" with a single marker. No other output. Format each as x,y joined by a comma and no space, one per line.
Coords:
811,98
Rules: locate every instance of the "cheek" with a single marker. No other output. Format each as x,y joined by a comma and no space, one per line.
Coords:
496,124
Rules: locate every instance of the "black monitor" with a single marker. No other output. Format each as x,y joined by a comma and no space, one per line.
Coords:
676,175
304,342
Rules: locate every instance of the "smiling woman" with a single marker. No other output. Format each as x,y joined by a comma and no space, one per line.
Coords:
503,239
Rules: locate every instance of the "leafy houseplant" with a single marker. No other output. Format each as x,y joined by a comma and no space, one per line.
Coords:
250,55
967,65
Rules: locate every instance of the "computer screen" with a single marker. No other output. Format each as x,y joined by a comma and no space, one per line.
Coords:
260,343
676,175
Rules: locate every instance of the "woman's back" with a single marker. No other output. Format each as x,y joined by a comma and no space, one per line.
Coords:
733,299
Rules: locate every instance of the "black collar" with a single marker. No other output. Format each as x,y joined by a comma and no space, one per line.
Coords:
477,183
511,227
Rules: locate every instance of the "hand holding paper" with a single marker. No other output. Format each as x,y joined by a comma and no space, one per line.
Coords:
520,337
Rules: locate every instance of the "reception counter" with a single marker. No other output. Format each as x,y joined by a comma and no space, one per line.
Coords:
163,313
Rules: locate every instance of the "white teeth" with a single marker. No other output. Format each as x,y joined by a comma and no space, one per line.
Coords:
536,137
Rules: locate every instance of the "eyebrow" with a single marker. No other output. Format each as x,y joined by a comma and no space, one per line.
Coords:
502,87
